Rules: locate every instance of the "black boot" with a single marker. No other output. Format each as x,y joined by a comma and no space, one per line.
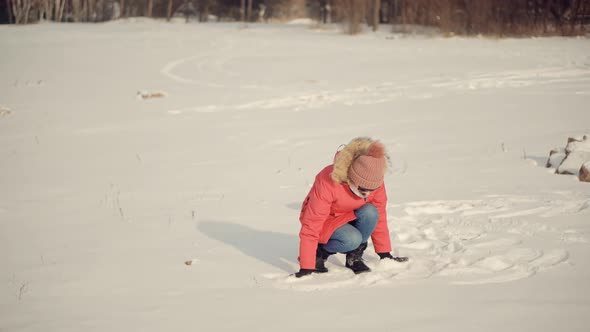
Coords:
321,256
354,260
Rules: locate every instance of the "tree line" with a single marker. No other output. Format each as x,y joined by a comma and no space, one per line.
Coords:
467,17
31,11
464,17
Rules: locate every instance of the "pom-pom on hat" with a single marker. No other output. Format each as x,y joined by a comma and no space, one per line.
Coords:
368,170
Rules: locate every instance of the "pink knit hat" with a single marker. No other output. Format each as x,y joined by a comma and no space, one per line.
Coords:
368,170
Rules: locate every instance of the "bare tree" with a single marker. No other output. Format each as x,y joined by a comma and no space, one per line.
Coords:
58,9
249,14
48,9
375,6
242,10
353,12
123,8
203,7
20,10
169,10
77,10
9,9
575,12
90,8
149,9
584,14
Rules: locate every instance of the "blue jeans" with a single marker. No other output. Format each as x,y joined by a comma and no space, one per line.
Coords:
350,236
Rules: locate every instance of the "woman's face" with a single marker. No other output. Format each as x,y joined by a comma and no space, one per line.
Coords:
360,191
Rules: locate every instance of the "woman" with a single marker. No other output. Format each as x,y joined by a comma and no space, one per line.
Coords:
345,206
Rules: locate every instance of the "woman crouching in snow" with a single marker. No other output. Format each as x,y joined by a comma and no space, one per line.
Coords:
345,206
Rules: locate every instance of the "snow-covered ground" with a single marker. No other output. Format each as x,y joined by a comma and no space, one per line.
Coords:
104,196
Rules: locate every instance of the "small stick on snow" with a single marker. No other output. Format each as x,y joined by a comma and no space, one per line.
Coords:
4,111
142,95
21,291
191,262
255,281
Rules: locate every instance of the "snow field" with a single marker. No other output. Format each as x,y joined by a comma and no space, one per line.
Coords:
106,197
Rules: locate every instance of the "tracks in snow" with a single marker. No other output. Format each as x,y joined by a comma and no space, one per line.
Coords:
574,77
466,242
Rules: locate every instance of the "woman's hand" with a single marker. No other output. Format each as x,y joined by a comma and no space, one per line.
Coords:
400,259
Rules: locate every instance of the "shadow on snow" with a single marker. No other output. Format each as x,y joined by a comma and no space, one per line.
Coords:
277,249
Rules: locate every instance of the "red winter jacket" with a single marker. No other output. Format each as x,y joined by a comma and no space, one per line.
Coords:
331,204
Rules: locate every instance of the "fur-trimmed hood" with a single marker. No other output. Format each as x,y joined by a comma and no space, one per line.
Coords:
357,147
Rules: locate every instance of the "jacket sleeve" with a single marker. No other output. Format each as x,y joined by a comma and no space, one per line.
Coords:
380,236
314,212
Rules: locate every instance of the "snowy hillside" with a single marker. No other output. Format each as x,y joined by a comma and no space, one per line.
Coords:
130,148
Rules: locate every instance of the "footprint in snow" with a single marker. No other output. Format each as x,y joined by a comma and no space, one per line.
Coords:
464,242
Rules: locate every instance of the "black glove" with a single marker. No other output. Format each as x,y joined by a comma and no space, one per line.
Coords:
384,255
303,272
